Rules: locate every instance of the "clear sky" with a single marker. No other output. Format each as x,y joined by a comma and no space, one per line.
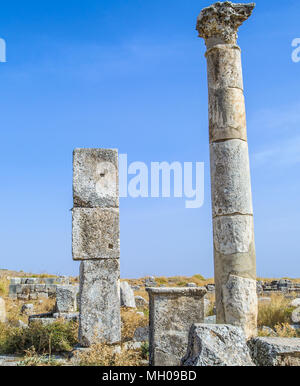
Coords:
132,75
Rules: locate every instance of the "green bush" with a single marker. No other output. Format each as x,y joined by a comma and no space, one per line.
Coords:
57,337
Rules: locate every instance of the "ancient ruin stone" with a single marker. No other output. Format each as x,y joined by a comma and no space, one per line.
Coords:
66,298
234,247
222,20
230,174
127,295
96,234
275,351
95,178
295,302
140,302
141,334
2,311
99,302
296,316
172,311
217,345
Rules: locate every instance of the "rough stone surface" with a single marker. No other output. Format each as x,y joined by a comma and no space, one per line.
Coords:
224,68
217,345
96,234
127,295
210,319
223,20
240,303
233,234
95,178
140,302
227,115
172,311
141,334
27,309
295,302
2,311
230,176
296,316
66,298
275,351
99,302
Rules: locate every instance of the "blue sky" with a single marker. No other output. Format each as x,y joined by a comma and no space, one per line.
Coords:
132,75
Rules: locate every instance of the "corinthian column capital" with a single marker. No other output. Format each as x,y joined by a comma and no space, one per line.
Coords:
220,21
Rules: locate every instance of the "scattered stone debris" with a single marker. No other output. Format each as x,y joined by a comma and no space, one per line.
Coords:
217,345
127,295
267,351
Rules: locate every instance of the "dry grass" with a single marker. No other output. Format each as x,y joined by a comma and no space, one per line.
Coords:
278,311
130,322
60,336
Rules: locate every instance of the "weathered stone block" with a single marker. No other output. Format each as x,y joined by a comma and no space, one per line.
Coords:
217,345
230,175
66,298
224,67
127,295
96,234
15,280
140,302
172,311
2,311
99,302
95,178
275,351
227,114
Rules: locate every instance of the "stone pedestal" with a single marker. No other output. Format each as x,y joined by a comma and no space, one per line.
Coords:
234,248
172,311
95,241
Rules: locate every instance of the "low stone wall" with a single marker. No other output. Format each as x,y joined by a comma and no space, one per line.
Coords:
33,288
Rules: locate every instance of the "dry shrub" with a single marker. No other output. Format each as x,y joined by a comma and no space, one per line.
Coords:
278,311
56,337
130,322
101,354
284,330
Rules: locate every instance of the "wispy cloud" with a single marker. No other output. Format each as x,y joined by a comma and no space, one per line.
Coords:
285,153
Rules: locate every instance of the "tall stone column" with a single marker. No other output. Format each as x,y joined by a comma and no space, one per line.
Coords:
233,232
95,242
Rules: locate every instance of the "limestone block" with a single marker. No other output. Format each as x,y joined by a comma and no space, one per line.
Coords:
96,233
141,334
233,234
268,351
27,309
95,178
296,316
240,303
99,303
172,311
66,298
140,302
217,345
295,302
224,67
227,114
230,176
40,287
126,295
33,296
2,311
15,280
12,290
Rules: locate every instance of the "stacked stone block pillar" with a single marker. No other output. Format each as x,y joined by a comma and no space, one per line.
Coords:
96,243
233,232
